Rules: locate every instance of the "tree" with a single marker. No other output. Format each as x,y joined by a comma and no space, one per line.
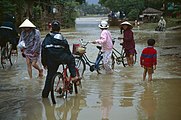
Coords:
124,5
6,7
33,9
80,1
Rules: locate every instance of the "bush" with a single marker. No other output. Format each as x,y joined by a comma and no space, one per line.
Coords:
133,14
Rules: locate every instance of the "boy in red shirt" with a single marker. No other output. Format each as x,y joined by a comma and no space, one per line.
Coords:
148,59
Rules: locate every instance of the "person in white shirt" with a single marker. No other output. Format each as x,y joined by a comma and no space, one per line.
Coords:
161,24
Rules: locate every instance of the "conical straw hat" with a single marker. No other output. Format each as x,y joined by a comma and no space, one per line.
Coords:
126,23
27,23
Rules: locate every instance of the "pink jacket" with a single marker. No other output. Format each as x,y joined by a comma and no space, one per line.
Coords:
105,41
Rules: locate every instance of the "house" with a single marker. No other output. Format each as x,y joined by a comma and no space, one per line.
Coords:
151,15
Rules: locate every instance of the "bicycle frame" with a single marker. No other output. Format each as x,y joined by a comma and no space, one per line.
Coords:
6,54
120,57
63,85
93,65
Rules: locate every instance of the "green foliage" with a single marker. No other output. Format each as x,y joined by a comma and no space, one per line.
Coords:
69,14
124,5
176,1
133,14
37,11
92,9
157,4
80,1
6,7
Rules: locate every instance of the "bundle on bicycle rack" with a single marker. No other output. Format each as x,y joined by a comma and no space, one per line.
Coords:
78,49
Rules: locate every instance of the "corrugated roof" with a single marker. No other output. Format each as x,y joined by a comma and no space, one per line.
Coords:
151,10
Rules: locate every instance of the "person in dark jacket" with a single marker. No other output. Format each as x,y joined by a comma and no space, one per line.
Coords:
8,32
55,51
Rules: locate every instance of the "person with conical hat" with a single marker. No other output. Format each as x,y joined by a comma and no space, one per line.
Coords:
128,42
28,24
31,50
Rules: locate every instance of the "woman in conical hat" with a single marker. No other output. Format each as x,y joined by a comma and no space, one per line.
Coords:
32,40
28,24
126,24
128,42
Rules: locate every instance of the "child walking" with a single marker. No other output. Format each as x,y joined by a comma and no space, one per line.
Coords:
148,59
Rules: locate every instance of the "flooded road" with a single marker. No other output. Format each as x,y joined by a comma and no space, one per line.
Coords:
121,96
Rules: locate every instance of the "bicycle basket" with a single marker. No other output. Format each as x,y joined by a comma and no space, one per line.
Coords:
78,50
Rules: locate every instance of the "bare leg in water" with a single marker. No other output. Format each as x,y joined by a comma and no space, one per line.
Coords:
35,65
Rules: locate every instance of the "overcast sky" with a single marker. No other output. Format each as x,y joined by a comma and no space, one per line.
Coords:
92,1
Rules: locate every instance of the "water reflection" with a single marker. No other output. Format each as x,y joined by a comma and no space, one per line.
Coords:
106,96
148,102
128,92
68,109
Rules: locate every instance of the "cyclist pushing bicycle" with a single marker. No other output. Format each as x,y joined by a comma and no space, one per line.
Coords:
8,33
107,45
55,51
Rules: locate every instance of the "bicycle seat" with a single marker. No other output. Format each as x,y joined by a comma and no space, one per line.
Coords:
99,47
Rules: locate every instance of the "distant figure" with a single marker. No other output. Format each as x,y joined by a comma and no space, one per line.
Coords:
112,14
161,25
49,26
118,14
148,59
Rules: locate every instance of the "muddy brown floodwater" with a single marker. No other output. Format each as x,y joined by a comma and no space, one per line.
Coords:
121,96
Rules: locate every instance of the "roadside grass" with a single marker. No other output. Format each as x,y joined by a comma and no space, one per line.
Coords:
171,22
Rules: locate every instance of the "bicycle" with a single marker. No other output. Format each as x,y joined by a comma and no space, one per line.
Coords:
61,84
81,59
7,56
120,57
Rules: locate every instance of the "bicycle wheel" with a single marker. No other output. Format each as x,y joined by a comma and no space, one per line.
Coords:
113,60
135,58
124,60
80,64
14,58
6,55
9,51
99,66
100,69
3,57
78,83
57,87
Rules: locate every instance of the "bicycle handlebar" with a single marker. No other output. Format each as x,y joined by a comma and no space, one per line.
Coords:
84,44
119,38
